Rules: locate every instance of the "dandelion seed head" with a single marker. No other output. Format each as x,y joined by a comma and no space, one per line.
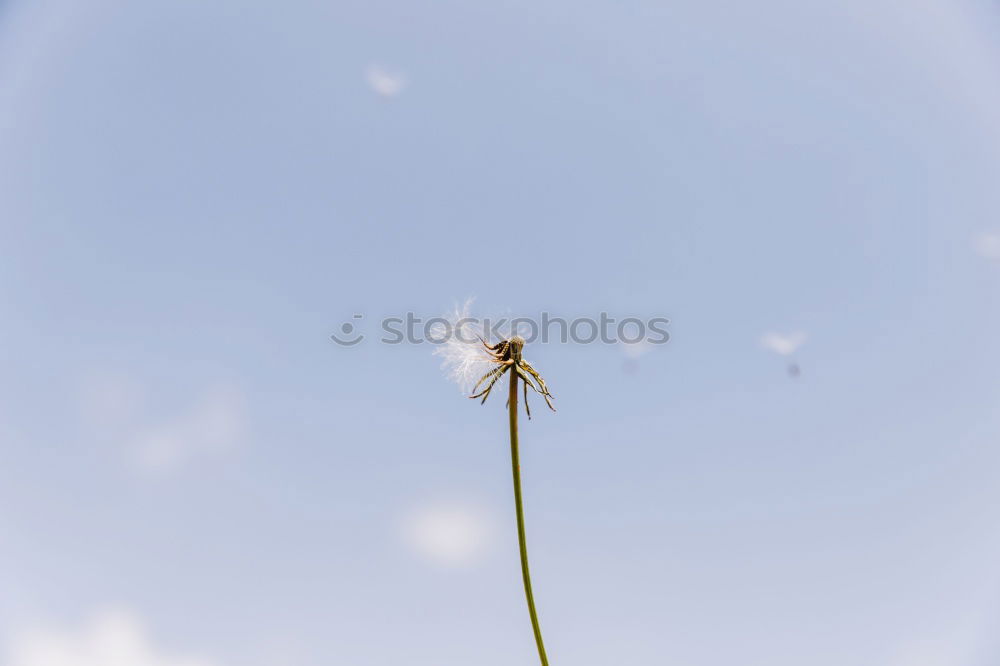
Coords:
464,359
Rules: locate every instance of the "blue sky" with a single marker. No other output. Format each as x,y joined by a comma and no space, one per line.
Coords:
193,196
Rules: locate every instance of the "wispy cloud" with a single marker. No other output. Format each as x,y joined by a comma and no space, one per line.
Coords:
109,638
114,408
213,424
988,245
783,343
384,82
451,534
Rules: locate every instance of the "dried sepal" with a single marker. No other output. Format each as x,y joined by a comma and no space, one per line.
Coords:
507,354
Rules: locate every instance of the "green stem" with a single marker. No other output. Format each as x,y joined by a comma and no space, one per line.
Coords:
515,461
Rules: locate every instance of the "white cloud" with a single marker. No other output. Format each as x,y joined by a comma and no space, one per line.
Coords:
957,649
784,344
109,638
451,534
384,82
214,424
988,245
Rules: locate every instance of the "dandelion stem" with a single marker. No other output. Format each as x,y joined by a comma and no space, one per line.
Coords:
519,506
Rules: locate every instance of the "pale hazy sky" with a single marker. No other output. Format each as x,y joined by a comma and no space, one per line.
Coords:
194,195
